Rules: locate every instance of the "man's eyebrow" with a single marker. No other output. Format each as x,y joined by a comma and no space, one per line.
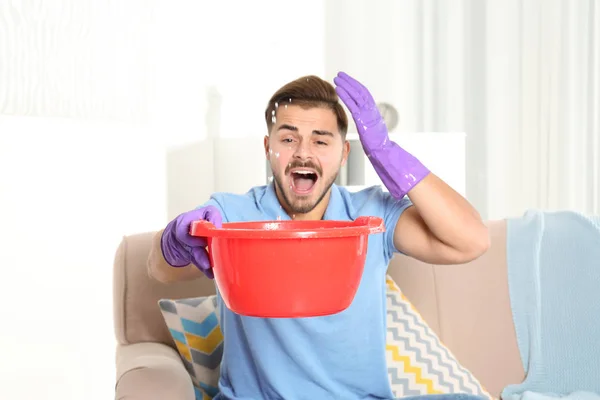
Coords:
295,129
288,127
322,133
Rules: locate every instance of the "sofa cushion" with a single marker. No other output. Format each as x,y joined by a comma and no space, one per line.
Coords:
468,307
194,327
418,362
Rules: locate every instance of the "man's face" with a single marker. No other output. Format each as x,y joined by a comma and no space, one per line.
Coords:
306,152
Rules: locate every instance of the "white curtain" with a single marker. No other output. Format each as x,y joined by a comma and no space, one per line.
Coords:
530,101
542,106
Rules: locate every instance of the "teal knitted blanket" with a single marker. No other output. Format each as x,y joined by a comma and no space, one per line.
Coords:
554,280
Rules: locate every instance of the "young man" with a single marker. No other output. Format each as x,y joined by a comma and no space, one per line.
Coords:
340,356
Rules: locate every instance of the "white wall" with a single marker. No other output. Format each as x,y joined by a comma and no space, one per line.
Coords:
62,215
109,114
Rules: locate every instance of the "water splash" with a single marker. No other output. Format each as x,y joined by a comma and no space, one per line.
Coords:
271,154
271,227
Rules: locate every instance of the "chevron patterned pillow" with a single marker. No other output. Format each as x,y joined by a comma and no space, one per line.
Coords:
194,327
418,363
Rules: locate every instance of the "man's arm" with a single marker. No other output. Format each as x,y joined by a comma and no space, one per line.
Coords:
159,269
441,227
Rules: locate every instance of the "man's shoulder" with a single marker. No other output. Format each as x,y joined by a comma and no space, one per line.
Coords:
252,194
372,200
370,195
234,205
228,199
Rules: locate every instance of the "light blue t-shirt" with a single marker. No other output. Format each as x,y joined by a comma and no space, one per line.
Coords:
340,356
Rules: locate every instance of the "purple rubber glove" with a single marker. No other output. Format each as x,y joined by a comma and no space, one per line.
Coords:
179,248
399,170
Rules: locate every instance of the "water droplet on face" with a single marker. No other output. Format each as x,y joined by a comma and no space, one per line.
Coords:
286,106
290,100
276,155
276,105
293,216
273,119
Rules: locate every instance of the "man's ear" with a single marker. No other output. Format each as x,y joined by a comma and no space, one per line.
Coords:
267,147
345,152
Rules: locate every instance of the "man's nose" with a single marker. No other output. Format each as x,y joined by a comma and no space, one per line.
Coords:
303,150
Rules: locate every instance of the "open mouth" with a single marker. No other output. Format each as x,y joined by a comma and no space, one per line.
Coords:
303,180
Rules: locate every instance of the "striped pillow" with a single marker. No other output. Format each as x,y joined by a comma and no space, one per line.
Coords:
418,363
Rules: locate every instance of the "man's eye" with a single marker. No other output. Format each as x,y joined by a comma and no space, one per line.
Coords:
288,140
321,143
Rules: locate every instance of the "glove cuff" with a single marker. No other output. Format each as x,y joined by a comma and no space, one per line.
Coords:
399,170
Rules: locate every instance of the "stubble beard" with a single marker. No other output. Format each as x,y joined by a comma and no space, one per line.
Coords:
301,205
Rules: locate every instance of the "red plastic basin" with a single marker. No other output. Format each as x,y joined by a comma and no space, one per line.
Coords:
288,269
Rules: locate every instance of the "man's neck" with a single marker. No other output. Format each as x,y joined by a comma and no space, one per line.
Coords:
315,214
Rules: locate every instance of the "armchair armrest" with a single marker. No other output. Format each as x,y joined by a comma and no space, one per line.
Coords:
151,371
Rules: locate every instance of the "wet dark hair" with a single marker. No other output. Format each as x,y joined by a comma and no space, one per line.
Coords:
308,92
